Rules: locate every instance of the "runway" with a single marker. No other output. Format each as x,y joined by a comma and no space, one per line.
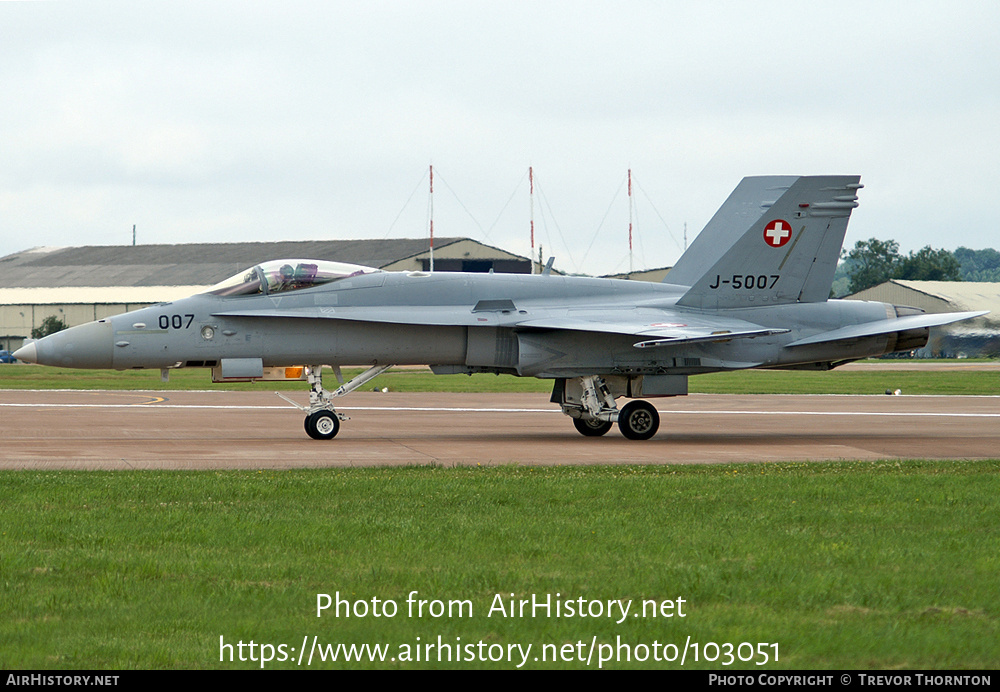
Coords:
250,430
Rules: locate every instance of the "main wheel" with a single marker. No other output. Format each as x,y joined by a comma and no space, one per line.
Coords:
322,425
638,420
591,427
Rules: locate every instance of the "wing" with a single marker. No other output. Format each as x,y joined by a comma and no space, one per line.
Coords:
654,327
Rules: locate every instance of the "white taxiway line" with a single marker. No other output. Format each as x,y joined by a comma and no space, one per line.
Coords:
157,405
431,409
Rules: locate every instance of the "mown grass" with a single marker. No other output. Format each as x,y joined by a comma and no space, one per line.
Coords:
969,383
844,565
972,382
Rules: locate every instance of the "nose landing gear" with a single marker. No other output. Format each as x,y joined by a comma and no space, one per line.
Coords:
322,419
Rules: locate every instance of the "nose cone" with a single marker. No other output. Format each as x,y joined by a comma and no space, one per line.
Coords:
27,353
87,346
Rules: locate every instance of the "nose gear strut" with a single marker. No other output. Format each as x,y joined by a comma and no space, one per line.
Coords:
322,419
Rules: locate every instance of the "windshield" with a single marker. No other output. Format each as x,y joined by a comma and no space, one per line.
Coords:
279,276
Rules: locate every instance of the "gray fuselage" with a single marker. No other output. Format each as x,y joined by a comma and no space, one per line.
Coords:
462,322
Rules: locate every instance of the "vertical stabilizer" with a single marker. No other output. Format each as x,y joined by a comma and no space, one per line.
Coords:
751,198
788,255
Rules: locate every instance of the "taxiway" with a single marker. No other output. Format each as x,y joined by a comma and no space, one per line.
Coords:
246,430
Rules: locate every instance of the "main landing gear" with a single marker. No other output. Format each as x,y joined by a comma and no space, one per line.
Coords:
589,402
638,420
322,419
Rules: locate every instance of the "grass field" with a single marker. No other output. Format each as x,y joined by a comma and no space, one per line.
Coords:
842,565
971,382
861,565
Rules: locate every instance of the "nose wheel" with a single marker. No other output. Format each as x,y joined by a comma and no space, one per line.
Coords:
322,419
322,425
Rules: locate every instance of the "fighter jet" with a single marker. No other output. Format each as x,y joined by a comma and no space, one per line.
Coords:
752,291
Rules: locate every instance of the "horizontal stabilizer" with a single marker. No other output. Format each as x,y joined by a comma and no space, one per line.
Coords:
899,324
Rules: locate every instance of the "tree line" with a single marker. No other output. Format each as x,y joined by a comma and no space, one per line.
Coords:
873,261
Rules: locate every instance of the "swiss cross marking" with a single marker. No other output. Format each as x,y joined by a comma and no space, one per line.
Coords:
777,233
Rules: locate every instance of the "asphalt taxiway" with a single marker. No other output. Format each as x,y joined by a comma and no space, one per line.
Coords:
246,430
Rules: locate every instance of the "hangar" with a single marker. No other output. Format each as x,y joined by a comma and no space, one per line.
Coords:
81,284
978,337
653,275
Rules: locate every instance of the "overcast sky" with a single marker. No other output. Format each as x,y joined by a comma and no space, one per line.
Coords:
230,121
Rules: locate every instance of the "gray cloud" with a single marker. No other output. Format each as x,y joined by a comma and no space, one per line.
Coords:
227,121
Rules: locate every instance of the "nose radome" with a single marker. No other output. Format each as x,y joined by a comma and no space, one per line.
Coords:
27,353
86,346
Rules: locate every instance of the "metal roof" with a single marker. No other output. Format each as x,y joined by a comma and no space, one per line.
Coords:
99,295
939,296
197,264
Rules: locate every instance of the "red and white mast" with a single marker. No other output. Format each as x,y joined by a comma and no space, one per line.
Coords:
531,197
432,218
630,268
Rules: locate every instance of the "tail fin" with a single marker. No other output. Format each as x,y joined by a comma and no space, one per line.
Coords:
788,255
751,198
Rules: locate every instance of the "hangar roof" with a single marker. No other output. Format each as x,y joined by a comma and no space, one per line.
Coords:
652,275
99,295
199,264
939,296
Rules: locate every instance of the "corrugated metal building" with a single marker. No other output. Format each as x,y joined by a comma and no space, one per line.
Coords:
978,337
80,284
651,275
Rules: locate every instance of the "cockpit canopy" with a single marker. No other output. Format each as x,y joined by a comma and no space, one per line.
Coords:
280,276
